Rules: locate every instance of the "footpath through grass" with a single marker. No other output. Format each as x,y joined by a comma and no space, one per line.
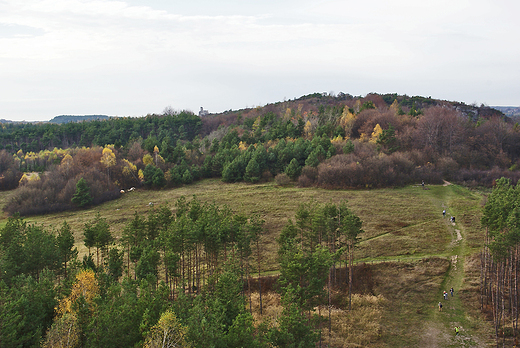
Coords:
461,309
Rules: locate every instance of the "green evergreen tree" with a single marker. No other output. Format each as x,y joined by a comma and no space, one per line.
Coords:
65,242
186,177
115,264
158,179
349,147
253,172
293,170
82,196
312,160
387,140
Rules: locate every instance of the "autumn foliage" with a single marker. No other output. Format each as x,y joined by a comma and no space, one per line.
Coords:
325,140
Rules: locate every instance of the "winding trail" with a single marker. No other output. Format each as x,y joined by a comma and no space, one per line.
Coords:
439,330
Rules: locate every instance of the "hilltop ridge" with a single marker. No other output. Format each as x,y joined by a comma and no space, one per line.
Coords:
77,118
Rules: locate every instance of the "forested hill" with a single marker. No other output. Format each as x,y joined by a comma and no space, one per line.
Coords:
324,140
511,111
73,118
35,137
66,131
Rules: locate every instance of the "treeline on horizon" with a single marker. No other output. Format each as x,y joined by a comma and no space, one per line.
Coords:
330,141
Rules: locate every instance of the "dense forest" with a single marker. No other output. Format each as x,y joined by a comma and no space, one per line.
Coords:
186,275
184,278
317,140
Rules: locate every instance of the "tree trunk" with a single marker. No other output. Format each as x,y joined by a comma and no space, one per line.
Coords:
259,277
351,252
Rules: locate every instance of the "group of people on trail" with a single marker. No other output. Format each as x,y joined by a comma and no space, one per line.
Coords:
445,296
452,219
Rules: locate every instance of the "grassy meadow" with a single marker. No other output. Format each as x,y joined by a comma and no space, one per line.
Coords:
407,251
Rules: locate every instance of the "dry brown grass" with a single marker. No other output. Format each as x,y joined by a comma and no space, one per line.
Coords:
271,306
359,327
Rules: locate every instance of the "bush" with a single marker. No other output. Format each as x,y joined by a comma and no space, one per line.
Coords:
486,178
447,166
308,177
397,169
54,192
282,179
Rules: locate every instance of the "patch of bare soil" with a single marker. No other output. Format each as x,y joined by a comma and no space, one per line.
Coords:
434,336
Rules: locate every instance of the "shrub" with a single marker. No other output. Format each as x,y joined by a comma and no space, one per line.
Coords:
282,179
305,181
447,166
54,192
350,171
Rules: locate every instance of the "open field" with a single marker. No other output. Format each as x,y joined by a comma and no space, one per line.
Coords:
398,223
409,252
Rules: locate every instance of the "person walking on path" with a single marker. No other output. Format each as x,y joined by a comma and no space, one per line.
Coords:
445,294
451,291
444,213
456,330
440,306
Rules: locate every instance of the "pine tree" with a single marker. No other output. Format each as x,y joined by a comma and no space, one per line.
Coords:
293,170
82,196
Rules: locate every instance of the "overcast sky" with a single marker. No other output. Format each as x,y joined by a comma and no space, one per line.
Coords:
134,57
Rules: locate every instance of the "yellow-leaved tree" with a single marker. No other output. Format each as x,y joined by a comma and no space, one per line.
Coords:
147,159
288,114
347,120
67,163
108,159
65,331
86,286
394,107
376,133
129,169
307,129
256,125
168,332
155,153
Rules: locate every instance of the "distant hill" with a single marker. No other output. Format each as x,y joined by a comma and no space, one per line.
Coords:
71,118
511,111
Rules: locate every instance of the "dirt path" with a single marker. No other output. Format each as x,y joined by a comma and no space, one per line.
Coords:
439,330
